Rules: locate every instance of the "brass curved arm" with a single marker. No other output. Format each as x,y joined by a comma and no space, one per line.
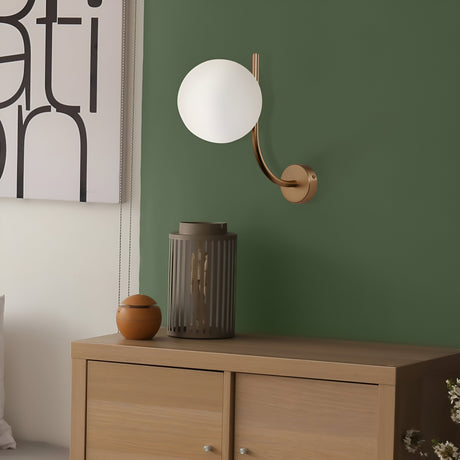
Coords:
255,139
263,166
298,182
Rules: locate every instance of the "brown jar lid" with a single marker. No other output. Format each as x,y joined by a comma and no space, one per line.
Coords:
202,228
139,300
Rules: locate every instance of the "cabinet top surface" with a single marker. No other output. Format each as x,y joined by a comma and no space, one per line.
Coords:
252,346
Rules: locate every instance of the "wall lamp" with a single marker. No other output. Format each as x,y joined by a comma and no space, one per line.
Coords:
220,101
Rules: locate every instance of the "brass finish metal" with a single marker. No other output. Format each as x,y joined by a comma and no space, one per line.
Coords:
306,181
260,160
298,182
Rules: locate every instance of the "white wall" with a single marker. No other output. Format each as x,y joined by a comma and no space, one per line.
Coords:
59,270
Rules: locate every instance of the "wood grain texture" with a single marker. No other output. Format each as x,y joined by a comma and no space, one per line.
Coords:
228,415
283,398
386,428
78,416
290,418
284,356
143,412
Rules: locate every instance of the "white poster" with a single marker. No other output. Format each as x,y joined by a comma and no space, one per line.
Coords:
60,99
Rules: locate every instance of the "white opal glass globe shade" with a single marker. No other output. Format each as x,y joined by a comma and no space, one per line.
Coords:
219,101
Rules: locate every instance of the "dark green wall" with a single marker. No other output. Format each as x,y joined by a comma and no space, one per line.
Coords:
367,93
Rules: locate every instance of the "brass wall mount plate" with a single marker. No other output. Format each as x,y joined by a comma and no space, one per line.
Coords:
307,183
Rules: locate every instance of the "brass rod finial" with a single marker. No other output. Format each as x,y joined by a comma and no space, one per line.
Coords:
298,182
255,65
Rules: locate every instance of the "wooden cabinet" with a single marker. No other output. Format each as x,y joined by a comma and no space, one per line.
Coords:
254,397
143,412
285,417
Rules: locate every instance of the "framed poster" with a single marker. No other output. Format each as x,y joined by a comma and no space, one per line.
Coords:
61,93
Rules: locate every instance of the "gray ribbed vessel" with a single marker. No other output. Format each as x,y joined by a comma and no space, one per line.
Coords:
202,260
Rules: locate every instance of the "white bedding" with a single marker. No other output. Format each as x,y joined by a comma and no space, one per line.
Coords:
6,437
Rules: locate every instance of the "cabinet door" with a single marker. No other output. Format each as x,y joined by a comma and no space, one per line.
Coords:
291,418
139,412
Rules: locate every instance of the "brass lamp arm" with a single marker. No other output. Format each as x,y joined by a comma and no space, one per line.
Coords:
298,182
261,162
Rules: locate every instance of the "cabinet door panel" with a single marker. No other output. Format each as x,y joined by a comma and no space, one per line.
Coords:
291,418
139,412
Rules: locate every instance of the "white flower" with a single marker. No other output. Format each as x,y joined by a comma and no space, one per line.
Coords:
446,451
413,441
455,416
454,396
453,390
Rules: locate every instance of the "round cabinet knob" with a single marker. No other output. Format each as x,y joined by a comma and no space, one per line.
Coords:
207,448
244,450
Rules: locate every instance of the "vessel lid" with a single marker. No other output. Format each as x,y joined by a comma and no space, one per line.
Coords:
203,228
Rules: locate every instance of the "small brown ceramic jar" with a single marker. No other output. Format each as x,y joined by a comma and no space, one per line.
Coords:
138,318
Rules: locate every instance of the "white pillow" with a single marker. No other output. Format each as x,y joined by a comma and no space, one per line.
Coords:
6,437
